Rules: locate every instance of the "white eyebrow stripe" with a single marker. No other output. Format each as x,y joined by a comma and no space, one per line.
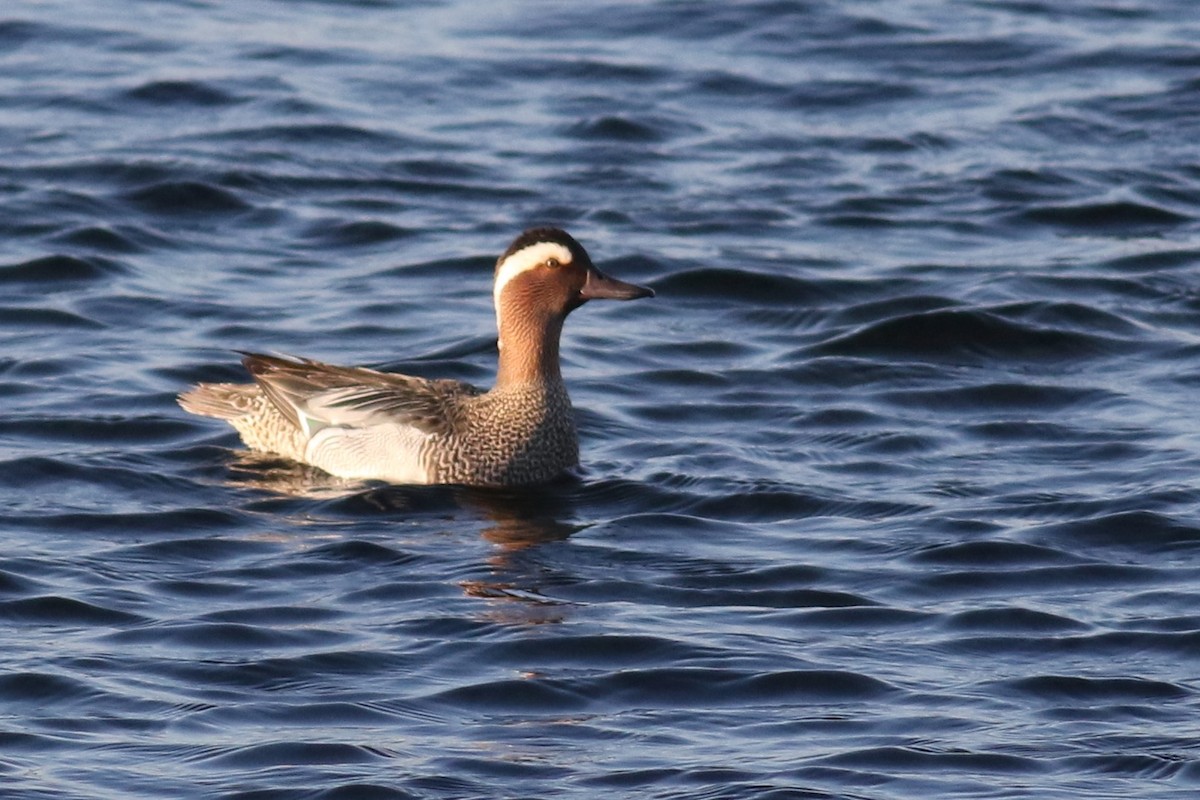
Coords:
524,259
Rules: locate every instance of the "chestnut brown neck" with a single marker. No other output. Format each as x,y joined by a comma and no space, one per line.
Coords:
529,349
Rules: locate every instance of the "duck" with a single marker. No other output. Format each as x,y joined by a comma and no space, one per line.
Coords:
362,424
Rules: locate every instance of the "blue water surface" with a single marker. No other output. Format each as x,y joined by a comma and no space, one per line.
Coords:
892,492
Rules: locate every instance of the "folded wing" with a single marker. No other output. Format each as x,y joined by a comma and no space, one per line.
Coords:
313,396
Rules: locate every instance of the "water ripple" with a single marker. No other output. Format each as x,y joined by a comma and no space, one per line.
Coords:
889,493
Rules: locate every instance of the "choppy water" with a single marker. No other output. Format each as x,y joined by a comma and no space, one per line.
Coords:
892,492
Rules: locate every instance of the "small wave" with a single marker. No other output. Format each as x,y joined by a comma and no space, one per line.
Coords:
1116,217
983,583
14,584
890,760
1023,186
104,238
1079,128
1142,766
231,637
1157,261
720,595
287,754
1086,319
313,712
458,169
679,687
1062,688
1141,531
182,198
46,318
188,550
862,211
336,555
595,651
358,233
1013,620
734,285
840,95
704,687
623,129
953,56
1006,395
374,194
59,269
861,617
517,695
109,429
15,33
97,169
40,690
972,334
872,310
328,133
736,86
180,93
63,611
148,522
577,66
992,554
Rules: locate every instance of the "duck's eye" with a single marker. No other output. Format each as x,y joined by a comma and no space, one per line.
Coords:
552,263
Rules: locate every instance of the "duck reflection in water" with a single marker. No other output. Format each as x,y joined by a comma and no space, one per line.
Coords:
519,519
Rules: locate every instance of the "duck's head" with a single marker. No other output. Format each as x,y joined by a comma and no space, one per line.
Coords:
545,274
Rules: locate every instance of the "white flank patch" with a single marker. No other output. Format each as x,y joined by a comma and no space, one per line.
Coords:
526,258
388,452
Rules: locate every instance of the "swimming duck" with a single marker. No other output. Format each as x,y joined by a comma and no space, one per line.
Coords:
359,423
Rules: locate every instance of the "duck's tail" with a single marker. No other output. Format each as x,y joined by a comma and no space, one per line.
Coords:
220,400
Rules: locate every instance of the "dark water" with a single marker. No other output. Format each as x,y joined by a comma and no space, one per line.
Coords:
892,492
